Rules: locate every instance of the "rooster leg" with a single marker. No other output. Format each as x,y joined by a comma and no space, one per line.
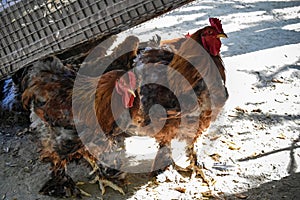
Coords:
101,181
93,164
106,183
162,166
162,160
197,170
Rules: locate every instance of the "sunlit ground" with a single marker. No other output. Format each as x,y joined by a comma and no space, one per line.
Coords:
258,130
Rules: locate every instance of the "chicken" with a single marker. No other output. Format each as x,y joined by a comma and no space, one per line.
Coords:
71,112
187,80
81,114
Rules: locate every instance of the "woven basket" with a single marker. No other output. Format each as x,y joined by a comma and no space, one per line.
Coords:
32,29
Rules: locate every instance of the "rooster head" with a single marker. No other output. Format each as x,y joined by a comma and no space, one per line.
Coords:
210,36
125,87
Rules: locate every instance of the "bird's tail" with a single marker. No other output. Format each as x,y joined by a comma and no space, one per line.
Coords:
9,95
11,109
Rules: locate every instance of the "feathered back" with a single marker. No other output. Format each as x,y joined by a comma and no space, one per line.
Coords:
189,61
49,86
121,58
194,64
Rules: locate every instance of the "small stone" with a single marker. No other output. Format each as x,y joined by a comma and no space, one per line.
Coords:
27,169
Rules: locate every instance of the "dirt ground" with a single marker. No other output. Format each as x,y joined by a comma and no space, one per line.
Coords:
252,150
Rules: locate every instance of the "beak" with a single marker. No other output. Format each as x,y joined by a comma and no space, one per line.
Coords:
131,92
222,35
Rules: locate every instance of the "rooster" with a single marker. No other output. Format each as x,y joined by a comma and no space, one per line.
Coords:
65,108
186,77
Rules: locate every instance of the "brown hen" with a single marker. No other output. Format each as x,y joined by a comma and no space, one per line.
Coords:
67,110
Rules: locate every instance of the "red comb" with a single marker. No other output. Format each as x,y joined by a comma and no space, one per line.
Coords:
188,35
215,22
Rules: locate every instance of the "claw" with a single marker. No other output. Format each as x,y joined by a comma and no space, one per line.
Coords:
84,193
203,173
194,170
93,164
207,179
95,169
104,183
101,181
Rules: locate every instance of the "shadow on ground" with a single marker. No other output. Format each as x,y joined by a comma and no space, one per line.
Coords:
285,188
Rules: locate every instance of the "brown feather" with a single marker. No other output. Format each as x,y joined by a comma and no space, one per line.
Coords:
174,44
192,62
92,100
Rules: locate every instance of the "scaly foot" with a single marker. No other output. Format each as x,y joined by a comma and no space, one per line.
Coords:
100,179
205,174
106,183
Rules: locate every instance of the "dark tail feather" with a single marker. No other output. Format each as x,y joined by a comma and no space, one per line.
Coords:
60,185
9,95
11,108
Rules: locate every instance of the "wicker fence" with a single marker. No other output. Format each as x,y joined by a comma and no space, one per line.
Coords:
32,29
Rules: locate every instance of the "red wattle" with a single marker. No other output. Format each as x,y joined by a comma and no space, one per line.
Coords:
130,103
